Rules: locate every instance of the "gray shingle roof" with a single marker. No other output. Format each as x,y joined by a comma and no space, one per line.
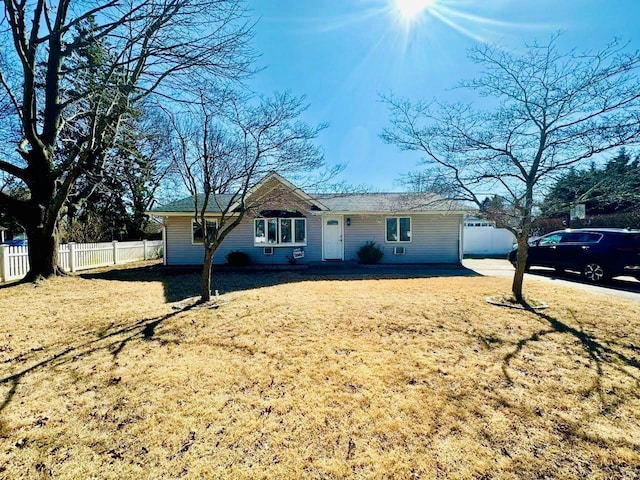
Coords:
387,202
186,205
348,202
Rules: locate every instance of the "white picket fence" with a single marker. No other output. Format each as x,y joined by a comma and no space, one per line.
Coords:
14,261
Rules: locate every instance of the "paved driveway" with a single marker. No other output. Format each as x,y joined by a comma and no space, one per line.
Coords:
621,287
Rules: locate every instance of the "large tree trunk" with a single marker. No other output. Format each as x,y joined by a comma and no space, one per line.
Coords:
43,253
39,216
205,294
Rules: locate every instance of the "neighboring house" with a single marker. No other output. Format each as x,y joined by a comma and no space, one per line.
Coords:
289,223
482,238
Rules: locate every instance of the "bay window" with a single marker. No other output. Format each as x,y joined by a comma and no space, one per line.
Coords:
280,231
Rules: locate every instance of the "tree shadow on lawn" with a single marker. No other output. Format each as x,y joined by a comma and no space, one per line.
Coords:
603,353
610,366
51,356
180,285
183,283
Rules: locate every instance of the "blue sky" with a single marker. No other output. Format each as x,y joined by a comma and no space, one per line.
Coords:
342,54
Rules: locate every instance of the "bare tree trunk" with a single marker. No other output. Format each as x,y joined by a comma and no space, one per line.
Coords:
521,267
43,253
39,216
205,294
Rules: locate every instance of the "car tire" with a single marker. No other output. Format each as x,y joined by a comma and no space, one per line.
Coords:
595,272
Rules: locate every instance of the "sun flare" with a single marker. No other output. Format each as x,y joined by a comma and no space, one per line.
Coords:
410,9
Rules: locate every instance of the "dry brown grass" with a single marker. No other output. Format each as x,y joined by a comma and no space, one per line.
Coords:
387,378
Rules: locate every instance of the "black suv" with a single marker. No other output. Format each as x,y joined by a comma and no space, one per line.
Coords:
597,253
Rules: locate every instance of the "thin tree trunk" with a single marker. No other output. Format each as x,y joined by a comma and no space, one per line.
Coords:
205,294
521,266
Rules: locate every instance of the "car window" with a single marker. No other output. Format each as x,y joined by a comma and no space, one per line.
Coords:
550,239
580,237
571,238
591,237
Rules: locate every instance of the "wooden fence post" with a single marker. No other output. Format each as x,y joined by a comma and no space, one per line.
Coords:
144,247
115,252
72,256
4,262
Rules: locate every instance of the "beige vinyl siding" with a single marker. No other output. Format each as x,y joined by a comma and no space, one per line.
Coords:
434,238
180,250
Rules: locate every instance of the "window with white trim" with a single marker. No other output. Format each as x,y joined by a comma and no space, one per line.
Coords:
280,231
398,229
197,236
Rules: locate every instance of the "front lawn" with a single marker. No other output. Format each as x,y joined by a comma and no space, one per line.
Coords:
119,375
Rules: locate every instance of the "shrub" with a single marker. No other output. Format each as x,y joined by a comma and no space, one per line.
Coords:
370,253
238,259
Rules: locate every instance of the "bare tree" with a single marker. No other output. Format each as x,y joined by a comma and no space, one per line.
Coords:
223,154
72,72
552,111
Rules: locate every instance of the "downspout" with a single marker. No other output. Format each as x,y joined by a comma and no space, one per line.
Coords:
164,243
161,221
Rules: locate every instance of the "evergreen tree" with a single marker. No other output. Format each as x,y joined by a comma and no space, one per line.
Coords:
613,188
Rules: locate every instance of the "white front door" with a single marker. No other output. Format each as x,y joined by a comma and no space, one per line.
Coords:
332,237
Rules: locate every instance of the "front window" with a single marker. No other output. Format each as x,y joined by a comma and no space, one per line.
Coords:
280,231
197,236
272,230
398,229
300,231
285,231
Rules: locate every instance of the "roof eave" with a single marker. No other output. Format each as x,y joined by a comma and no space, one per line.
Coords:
396,212
187,214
